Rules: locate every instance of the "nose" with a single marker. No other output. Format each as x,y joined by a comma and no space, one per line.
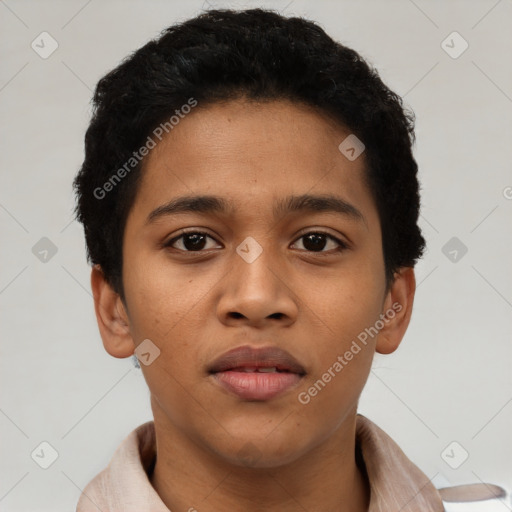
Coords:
258,293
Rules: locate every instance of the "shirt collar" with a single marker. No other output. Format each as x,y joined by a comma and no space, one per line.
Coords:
396,484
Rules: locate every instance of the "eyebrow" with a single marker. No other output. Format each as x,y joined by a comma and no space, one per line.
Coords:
291,204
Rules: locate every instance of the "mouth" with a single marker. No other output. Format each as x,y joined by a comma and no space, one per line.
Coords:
257,374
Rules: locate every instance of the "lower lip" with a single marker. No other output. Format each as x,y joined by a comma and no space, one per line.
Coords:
257,385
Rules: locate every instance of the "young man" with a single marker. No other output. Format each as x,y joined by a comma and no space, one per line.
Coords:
250,202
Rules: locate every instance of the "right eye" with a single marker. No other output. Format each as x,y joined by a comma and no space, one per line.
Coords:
191,241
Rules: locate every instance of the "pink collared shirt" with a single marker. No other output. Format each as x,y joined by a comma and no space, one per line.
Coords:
396,484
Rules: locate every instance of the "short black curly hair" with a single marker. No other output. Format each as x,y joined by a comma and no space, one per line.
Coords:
257,54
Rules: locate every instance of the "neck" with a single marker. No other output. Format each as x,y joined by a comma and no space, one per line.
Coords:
189,477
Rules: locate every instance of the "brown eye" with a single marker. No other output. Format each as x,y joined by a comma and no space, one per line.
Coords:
192,241
316,241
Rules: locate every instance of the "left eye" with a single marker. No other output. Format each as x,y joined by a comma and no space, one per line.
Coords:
195,241
317,240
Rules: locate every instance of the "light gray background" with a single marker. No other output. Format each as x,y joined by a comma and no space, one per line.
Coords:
450,380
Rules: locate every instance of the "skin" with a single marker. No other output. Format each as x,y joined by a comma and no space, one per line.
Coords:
196,306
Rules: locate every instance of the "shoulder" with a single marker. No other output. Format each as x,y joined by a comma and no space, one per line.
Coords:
124,483
481,497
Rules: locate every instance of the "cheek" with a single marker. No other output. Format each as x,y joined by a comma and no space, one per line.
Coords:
346,302
343,364
344,309
165,307
331,395
160,295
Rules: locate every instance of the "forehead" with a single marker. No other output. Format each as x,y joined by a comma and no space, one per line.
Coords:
254,154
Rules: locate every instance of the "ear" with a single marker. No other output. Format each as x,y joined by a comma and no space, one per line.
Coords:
111,316
397,310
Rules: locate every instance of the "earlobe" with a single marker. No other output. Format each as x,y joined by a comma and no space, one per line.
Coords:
397,311
111,316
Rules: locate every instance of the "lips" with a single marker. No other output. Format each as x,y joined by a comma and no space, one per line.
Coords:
256,374
250,359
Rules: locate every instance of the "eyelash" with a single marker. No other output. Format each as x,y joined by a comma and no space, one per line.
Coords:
342,245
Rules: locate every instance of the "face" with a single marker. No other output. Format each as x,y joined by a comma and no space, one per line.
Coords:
305,280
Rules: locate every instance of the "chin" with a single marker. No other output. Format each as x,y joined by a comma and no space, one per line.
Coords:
260,454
